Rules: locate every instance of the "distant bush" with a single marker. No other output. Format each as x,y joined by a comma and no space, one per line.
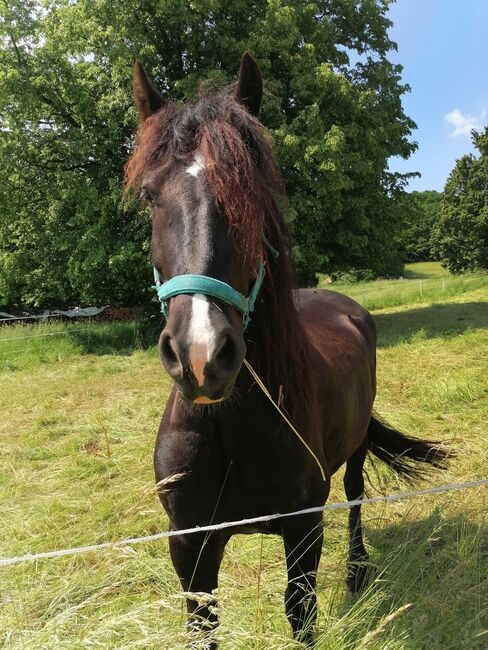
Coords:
353,275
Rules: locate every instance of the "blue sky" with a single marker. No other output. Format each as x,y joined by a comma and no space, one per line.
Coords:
443,48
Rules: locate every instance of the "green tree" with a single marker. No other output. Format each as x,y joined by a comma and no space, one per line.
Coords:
421,209
333,104
460,235
64,234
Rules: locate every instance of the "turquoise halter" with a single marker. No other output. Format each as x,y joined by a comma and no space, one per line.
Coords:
191,284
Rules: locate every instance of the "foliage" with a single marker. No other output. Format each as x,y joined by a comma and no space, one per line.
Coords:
460,235
333,104
421,211
64,235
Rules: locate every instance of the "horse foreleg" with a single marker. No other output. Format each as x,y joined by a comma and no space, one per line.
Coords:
354,488
303,545
196,559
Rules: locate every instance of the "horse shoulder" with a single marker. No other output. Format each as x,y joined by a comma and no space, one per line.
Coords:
185,458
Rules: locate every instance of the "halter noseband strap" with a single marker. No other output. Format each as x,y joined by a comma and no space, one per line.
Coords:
191,284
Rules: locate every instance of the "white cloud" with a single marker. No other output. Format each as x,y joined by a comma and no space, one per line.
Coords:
463,124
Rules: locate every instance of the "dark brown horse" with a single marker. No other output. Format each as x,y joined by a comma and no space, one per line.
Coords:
208,172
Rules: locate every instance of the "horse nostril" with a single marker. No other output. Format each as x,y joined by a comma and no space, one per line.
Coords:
168,351
227,351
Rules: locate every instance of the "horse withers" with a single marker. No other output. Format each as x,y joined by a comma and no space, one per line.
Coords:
224,452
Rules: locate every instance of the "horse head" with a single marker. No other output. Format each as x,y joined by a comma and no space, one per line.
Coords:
204,169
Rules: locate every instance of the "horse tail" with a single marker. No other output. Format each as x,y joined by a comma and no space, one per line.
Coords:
403,453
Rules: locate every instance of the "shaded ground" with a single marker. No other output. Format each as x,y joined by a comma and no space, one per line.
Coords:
425,270
438,320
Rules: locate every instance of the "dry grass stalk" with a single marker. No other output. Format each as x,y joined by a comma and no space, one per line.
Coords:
165,485
374,634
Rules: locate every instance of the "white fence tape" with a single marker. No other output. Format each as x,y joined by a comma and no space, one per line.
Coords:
242,522
77,312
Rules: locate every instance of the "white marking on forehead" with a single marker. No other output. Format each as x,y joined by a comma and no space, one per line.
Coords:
201,336
197,239
197,165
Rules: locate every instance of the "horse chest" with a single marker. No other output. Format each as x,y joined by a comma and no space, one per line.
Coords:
244,478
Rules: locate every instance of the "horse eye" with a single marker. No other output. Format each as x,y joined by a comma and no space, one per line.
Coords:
147,197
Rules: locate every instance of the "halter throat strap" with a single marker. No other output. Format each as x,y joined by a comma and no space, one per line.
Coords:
190,284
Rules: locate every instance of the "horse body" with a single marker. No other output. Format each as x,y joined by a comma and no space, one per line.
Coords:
223,451
270,470
243,461
343,335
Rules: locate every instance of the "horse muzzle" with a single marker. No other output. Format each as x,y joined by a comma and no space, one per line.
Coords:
205,356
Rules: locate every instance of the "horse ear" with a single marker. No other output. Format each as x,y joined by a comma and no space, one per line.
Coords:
147,98
249,89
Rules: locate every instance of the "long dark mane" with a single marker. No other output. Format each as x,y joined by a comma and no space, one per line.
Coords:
248,189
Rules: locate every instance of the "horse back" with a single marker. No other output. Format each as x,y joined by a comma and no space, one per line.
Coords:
335,323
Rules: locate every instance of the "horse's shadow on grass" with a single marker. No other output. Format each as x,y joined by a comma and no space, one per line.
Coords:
441,320
438,565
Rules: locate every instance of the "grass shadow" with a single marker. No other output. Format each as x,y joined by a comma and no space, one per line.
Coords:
425,271
119,338
448,319
417,275
438,564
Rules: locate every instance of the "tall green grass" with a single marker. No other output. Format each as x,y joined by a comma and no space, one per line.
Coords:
27,345
80,411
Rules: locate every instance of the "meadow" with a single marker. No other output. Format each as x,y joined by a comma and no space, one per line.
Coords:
80,407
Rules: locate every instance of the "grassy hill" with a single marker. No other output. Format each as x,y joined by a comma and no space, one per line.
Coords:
81,404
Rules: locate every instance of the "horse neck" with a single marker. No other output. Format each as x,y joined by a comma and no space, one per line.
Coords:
278,345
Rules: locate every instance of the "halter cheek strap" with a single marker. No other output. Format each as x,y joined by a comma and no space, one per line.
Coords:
191,284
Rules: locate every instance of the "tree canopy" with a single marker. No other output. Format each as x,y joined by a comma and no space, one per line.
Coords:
460,235
332,103
420,212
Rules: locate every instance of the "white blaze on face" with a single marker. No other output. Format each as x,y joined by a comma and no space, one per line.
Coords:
196,167
201,336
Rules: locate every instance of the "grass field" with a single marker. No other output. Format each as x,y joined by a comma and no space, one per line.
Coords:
423,282
81,404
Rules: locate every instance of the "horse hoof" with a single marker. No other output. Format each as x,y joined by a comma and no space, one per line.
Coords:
358,576
306,640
